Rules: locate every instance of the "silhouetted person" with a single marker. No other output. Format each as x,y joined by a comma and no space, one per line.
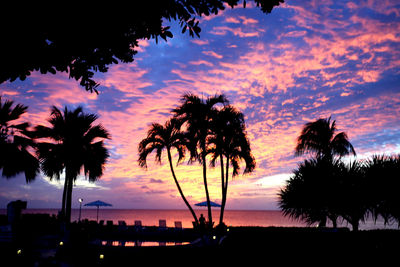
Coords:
202,222
14,210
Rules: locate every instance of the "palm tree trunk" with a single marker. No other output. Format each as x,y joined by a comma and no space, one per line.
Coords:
69,195
179,187
355,224
63,198
334,221
203,156
322,222
221,214
226,183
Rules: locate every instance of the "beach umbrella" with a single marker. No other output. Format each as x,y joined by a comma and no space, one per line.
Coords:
98,204
204,204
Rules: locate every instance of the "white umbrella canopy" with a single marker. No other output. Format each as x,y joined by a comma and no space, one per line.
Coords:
98,203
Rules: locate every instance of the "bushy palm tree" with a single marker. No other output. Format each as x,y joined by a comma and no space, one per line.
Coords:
228,140
165,137
197,114
383,177
320,139
70,144
321,189
311,194
354,192
15,143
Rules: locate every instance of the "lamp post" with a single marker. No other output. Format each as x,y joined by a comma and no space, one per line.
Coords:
80,207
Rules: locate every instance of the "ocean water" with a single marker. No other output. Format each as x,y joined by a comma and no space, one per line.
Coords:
231,217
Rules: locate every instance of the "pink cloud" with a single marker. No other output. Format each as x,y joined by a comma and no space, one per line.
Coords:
142,44
222,30
246,20
232,20
345,94
288,101
127,78
295,34
212,54
60,89
201,62
323,98
200,42
9,93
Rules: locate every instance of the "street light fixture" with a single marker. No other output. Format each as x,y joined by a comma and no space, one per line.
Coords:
80,207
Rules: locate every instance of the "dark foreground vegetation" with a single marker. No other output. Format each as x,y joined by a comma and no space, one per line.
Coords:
36,242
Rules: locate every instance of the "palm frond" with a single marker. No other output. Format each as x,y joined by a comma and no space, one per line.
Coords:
319,139
144,150
97,131
95,159
72,134
16,142
341,145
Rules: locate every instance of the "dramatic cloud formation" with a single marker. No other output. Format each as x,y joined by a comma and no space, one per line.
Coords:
303,61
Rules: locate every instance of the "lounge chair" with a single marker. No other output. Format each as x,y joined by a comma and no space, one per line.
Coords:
122,226
162,224
178,225
6,234
138,225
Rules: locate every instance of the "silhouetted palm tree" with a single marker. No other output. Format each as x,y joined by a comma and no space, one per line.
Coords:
311,194
382,172
15,143
74,144
197,113
166,137
229,140
320,138
354,194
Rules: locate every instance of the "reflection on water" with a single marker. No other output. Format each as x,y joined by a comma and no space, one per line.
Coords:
139,243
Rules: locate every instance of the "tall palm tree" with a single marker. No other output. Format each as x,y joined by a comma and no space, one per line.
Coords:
228,140
15,143
320,138
197,113
70,144
160,137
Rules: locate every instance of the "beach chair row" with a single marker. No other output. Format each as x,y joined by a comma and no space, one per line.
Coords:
162,224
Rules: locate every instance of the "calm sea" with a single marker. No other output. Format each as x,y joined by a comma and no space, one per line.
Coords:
231,217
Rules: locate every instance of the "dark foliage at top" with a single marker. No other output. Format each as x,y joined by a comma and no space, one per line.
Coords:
82,40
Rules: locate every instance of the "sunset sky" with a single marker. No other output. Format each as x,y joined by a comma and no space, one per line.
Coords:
305,60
